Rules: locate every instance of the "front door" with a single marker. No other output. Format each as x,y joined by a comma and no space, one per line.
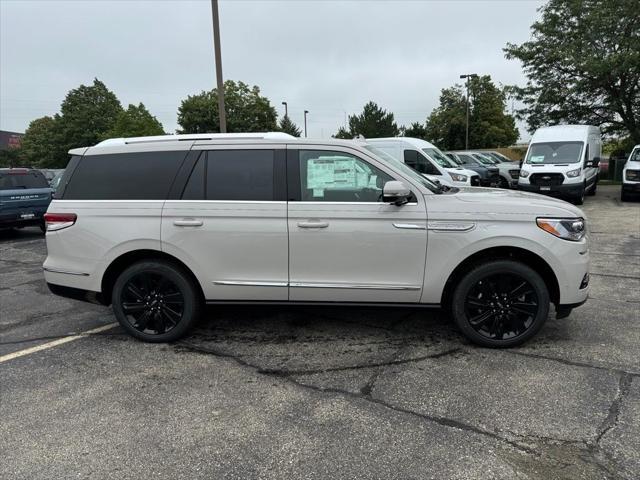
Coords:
345,244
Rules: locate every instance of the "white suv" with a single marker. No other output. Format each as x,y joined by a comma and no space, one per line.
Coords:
159,226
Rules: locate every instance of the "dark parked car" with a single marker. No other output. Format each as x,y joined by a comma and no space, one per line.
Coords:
25,195
489,174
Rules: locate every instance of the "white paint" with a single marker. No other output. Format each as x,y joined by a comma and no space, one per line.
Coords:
55,343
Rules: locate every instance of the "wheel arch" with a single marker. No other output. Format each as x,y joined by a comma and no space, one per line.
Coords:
522,255
119,264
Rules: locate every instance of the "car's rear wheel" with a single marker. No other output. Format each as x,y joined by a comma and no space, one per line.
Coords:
156,301
501,303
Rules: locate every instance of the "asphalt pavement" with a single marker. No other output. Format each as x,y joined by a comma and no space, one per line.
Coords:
323,392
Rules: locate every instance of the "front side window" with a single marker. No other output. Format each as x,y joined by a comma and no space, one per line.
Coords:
554,152
327,176
419,163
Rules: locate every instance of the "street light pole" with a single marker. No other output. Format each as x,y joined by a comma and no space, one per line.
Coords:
286,110
468,76
216,45
305,123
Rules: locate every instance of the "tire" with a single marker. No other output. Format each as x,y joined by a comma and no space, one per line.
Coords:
579,200
593,190
156,301
502,183
624,196
513,317
43,227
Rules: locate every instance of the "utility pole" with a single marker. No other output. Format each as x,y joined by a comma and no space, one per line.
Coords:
286,109
305,123
218,55
468,76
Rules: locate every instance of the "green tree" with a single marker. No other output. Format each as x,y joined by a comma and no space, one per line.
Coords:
489,125
415,130
583,66
246,109
135,121
287,126
87,113
371,123
43,143
11,157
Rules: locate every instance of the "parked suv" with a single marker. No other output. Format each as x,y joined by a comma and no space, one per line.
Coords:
24,197
159,226
508,172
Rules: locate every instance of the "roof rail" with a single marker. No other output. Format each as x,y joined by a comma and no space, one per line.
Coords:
196,136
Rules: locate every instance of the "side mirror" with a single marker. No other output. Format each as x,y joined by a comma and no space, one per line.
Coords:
592,163
395,192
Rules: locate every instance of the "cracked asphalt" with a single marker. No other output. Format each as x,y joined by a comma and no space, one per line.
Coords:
274,392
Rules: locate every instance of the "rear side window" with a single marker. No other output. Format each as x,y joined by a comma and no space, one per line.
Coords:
124,176
22,181
246,175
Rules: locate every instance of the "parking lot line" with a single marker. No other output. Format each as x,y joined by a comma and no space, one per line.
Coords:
55,343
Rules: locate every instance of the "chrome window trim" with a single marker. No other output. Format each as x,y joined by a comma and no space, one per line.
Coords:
348,203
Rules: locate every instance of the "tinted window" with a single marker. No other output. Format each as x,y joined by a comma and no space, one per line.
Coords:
339,177
124,176
419,163
22,181
240,175
194,190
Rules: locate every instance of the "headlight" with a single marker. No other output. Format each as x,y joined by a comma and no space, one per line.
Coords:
572,229
524,173
574,173
458,178
633,175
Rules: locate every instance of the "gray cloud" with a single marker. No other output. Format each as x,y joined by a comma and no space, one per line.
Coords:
328,57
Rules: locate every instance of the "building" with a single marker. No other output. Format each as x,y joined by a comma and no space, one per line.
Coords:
10,140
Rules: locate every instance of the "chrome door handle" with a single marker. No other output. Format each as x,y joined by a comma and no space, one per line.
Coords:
313,224
188,222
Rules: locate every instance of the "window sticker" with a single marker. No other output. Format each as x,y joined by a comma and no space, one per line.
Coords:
537,159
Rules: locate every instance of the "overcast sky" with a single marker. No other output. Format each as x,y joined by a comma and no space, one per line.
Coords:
329,57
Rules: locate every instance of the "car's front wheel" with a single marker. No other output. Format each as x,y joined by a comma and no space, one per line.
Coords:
156,301
500,303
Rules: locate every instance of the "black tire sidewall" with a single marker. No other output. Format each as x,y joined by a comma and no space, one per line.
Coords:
192,302
491,268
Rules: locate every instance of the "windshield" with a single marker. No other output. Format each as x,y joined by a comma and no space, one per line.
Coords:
22,180
440,158
635,155
408,171
554,152
484,159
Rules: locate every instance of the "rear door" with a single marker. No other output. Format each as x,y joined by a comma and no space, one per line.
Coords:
345,244
229,222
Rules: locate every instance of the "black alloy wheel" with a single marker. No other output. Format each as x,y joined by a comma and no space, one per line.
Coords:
155,301
501,306
500,303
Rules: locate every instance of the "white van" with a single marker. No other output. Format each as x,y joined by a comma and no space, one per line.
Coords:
563,161
631,175
427,159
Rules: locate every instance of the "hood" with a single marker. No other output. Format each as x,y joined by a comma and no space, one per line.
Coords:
462,171
495,201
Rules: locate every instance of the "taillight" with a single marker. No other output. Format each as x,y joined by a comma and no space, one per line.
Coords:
58,221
